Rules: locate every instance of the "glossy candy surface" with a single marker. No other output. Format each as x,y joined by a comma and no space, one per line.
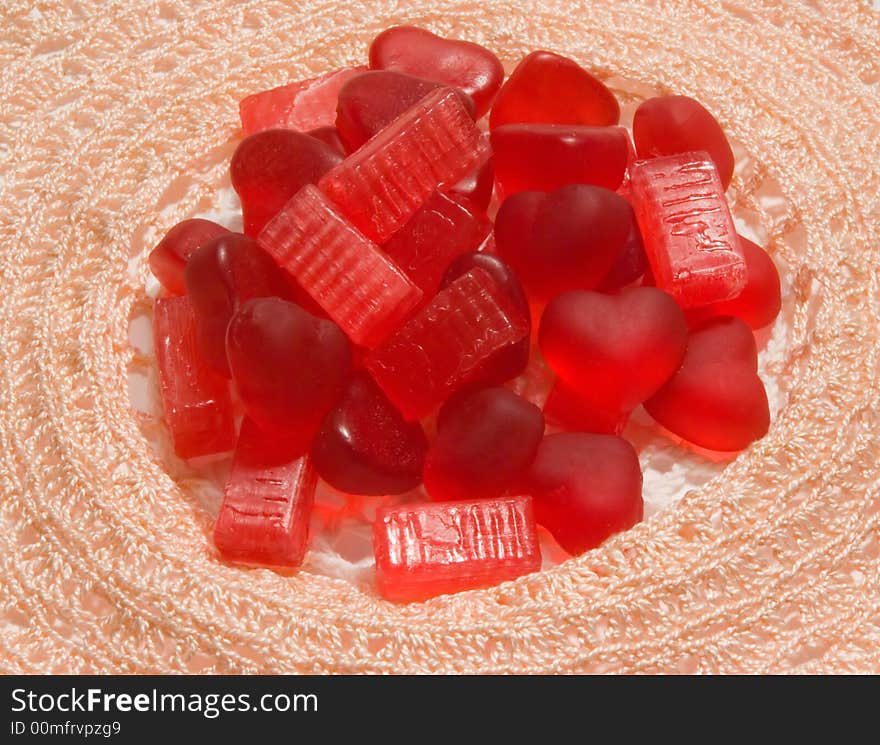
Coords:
586,487
198,407
544,157
460,64
356,284
268,168
423,550
220,276
370,102
289,367
477,187
485,442
668,125
365,446
383,184
168,259
267,502
616,350
546,87
447,344
687,229
303,105
716,399
511,361
568,239
443,229
760,300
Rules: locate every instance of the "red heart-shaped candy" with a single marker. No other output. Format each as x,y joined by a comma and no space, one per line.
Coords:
716,399
269,167
547,87
564,240
370,102
585,487
461,64
615,350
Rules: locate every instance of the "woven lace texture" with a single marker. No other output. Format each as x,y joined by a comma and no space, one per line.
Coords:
118,119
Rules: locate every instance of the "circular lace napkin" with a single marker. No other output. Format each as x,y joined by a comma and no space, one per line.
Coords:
118,119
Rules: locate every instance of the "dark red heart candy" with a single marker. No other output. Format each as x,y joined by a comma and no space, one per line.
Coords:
370,102
461,64
289,367
585,487
269,167
565,240
716,399
220,276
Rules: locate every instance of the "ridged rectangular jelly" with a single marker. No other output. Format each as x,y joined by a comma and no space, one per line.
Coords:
382,185
687,228
348,275
267,503
445,344
433,548
198,406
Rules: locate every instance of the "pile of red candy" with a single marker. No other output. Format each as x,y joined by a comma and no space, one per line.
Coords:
374,322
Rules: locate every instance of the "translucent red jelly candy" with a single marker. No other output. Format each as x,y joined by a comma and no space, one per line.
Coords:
461,64
630,265
370,102
344,272
365,446
267,502
716,399
383,184
760,300
477,186
438,233
268,168
511,361
566,240
198,408
546,87
687,228
220,276
485,442
289,367
614,350
586,488
668,125
423,550
303,105
330,136
168,259
573,411
447,344
543,157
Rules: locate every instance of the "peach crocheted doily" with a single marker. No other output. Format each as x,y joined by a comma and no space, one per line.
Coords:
117,119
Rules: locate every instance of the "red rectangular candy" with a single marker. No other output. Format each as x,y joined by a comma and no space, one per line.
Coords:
382,184
435,548
687,228
439,232
445,344
306,104
348,275
267,503
198,407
